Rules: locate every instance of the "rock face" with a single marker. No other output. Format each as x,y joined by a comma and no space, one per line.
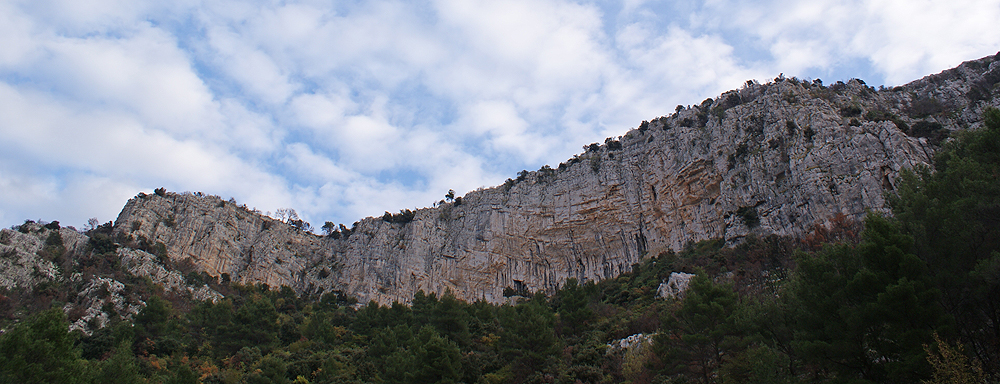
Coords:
20,259
767,158
675,286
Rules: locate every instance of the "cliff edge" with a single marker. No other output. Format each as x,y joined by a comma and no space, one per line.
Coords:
775,158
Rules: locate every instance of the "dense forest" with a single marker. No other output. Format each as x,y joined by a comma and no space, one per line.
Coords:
906,298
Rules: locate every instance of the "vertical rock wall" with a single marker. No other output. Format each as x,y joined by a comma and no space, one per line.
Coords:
774,158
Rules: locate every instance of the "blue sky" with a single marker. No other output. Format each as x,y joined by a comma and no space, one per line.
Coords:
343,110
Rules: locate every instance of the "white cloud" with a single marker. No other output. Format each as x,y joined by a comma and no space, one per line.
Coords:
903,40
253,70
345,110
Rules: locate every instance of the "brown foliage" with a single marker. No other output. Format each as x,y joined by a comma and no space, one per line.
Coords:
841,229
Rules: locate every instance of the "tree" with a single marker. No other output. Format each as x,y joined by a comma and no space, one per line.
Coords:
697,336
286,214
450,196
574,313
121,367
41,350
954,215
865,311
527,336
157,325
951,365
436,360
329,227
92,224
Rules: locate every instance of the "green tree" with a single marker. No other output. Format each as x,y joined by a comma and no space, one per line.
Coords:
42,350
121,367
698,335
329,227
270,370
528,335
574,313
158,323
437,360
953,213
865,312
770,322
447,315
255,324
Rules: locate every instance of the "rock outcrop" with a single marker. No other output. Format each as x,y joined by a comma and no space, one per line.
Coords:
41,262
768,158
675,286
25,259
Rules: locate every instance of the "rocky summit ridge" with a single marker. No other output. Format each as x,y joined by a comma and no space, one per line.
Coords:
775,158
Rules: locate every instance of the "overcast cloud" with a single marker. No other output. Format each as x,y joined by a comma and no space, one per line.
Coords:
343,110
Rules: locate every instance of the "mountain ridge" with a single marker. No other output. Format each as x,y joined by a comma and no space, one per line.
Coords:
776,158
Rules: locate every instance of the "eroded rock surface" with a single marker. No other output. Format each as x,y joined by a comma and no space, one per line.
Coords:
767,158
675,286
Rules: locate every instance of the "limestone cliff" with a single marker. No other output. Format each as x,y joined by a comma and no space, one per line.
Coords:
767,158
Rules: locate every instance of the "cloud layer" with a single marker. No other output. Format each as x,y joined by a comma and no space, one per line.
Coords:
346,110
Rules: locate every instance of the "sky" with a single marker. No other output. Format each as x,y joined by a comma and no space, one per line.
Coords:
346,109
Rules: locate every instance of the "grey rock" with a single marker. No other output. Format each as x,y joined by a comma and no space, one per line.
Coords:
775,158
675,286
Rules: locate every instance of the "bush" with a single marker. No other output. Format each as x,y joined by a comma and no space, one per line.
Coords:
808,133
404,216
850,111
613,145
749,216
931,130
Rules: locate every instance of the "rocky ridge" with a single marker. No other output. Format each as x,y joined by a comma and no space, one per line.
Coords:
45,263
775,158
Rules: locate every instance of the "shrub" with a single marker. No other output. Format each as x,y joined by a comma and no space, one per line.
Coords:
932,130
613,145
791,127
404,216
808,133
850,111
522,175
925,107
347,232
170,221
749,216
101,243
545,172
